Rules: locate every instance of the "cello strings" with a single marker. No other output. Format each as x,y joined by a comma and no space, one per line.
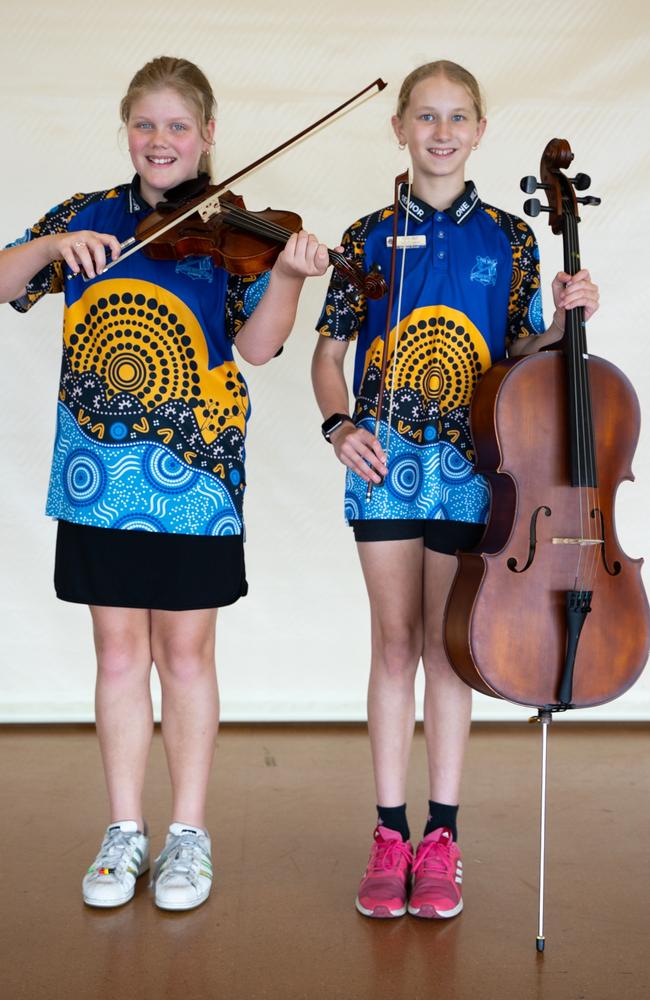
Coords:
594,528
584,430
572,361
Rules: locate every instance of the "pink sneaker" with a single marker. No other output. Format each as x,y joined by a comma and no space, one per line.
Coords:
383,888
437,876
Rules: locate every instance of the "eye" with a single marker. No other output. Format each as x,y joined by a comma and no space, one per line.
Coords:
425,117
458,117
142,125
179,127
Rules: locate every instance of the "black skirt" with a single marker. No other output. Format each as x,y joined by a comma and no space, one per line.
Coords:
142,569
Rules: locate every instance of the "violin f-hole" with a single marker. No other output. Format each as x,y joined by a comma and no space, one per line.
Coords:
512,563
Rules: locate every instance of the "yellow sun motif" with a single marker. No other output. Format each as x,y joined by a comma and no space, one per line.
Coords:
440,354
143,340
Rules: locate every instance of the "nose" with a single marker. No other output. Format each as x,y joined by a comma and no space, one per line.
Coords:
442,129
158,138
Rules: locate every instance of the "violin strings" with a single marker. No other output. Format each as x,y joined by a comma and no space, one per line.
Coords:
264,227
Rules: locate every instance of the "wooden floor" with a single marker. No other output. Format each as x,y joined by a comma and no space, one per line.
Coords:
291,816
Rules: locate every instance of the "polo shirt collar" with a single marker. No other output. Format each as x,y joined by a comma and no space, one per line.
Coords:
459,211
136,201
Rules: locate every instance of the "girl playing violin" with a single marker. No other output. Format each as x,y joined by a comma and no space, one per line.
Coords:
470,293
148,477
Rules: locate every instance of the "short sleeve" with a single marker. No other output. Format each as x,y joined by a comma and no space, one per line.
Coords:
345,305
50,278
525,317
243,295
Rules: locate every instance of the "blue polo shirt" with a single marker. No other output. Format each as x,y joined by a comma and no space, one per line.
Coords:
152,409
471,286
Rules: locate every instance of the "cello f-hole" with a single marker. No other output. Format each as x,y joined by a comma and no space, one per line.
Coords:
512,563
615,568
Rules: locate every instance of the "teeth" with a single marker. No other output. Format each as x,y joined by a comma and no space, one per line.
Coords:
161,159
442,152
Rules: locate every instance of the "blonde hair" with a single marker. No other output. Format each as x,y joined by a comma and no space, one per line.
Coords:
452,71
187,80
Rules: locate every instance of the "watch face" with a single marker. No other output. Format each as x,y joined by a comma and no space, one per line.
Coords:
330,425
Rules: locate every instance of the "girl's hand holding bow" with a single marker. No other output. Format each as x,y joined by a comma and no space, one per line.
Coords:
86,251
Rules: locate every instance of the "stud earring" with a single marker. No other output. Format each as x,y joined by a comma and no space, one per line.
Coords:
401,146
475,146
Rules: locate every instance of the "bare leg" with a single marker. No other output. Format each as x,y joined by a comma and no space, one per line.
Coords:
123,707
393,575
183,646
447,700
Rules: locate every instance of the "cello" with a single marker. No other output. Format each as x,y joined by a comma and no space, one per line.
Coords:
549,611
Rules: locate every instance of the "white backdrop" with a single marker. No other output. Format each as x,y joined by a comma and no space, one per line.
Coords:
297,646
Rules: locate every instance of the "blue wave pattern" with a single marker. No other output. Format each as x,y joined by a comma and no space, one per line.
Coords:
139,487
428,481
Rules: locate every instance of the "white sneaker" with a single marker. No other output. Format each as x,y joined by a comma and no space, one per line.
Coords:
183,872
123,856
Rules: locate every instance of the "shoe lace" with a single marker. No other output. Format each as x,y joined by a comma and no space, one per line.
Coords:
182,855
116,849
434,857
386,854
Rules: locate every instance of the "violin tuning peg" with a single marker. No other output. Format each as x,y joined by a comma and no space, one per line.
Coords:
589,200
528,184
581,181
533,207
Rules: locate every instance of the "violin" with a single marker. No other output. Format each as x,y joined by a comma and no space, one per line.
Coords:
216,224
549,611
200,219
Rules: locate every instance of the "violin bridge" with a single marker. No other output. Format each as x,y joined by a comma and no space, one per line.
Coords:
577,541
209,208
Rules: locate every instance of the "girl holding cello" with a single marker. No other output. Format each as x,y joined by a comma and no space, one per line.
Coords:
148,478
466,292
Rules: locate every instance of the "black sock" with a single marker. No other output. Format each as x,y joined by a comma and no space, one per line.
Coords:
394,817
441,815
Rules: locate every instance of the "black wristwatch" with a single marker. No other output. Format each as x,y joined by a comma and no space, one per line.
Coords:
333,423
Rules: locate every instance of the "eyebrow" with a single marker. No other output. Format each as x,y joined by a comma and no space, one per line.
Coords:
171,118
428,107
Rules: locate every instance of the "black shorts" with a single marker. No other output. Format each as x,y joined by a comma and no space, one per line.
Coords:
142,569
439,536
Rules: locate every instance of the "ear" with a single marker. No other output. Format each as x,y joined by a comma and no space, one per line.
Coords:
210,129
480,129
398,130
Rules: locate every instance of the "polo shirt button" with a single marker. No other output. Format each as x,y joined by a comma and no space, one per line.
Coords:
441,234
441,254
439,217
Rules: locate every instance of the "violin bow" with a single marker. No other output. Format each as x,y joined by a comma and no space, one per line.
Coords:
399,180
209,206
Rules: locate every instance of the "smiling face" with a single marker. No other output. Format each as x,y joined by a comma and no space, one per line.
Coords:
166,141
439,125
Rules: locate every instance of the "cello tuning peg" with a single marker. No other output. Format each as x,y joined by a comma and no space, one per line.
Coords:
533,207
528,184
581,181
589,200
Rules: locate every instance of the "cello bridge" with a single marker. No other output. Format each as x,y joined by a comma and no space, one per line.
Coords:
577,541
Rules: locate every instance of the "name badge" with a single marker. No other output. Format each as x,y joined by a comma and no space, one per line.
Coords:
408,242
